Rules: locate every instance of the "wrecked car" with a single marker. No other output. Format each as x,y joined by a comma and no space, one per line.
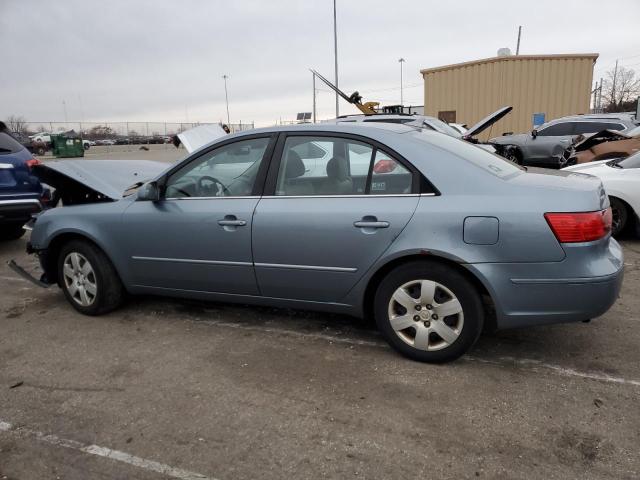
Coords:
604,145
550,145
425,243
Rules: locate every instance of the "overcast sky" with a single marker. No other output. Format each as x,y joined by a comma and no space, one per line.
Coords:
112,60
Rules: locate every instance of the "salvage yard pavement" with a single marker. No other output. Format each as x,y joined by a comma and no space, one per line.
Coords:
172,389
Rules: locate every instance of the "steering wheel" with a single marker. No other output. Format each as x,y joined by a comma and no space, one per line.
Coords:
203,190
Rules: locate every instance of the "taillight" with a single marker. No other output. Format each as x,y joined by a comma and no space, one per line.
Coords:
32,162
580,226
384,166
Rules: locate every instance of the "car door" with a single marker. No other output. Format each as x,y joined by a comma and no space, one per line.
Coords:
548,142
198,236
316,233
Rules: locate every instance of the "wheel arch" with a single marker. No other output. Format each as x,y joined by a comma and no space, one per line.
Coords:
49,259
375,279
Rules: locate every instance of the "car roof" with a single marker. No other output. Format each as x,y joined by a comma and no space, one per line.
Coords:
340,127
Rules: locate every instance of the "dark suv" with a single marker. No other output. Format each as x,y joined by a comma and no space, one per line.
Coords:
21,193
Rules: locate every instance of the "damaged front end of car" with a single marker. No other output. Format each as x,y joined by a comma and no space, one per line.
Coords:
81,182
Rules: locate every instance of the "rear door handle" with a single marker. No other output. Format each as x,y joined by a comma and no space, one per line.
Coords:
370,224
232,223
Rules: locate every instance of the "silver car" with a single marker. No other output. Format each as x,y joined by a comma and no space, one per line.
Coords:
432,237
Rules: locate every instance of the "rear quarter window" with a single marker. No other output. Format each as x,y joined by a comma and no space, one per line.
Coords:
8,144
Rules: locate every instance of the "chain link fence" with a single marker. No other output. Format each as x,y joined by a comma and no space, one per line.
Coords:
123,133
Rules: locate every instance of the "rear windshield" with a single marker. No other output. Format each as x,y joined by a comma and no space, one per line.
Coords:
8,144
490,162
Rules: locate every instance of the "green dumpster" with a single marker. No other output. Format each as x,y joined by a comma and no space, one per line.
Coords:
68,144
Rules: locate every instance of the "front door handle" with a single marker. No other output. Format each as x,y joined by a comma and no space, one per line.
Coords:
231,222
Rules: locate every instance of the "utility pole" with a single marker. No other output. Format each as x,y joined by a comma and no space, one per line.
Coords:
314,96
226,97
518,45
595,98
600,95
613,86
64,107
335,54
402,60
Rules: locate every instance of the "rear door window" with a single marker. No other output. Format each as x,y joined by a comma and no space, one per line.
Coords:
557,130
8,144
323,166
595,127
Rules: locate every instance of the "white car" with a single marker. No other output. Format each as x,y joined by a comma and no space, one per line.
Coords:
43,137
621,180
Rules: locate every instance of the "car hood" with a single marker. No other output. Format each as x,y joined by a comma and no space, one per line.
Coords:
106,178
200,136
586,167
486,122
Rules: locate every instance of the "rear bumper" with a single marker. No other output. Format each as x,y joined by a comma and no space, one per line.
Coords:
547,293
19,210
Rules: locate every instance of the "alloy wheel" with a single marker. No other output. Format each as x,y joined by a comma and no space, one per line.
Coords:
80,279
426,315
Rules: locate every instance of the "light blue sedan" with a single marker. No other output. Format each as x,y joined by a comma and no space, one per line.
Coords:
433,237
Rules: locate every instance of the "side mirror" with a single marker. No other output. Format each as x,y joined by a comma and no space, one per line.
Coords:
534,133
149,192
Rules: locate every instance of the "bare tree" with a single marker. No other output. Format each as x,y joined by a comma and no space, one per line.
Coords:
17,124
620,89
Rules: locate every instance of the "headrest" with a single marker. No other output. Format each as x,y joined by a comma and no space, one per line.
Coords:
295,166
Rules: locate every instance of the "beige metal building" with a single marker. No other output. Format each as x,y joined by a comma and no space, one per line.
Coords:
553,85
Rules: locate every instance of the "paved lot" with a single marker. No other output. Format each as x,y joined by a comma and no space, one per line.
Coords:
172,389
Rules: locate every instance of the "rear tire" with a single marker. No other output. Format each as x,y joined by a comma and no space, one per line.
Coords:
443,316
40,151
620,215
88,279
11,232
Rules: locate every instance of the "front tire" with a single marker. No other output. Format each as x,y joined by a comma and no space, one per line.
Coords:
428,311
88,279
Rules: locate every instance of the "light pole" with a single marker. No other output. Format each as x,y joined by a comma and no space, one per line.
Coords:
401,92
335,54
226,97
314,96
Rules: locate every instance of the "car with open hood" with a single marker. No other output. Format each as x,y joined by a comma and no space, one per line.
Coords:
551,144
427,246
432,123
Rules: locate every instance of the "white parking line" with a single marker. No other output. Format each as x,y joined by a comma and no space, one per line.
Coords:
533,365
105,452
536,365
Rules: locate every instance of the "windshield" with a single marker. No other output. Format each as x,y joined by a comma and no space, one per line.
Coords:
442,127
